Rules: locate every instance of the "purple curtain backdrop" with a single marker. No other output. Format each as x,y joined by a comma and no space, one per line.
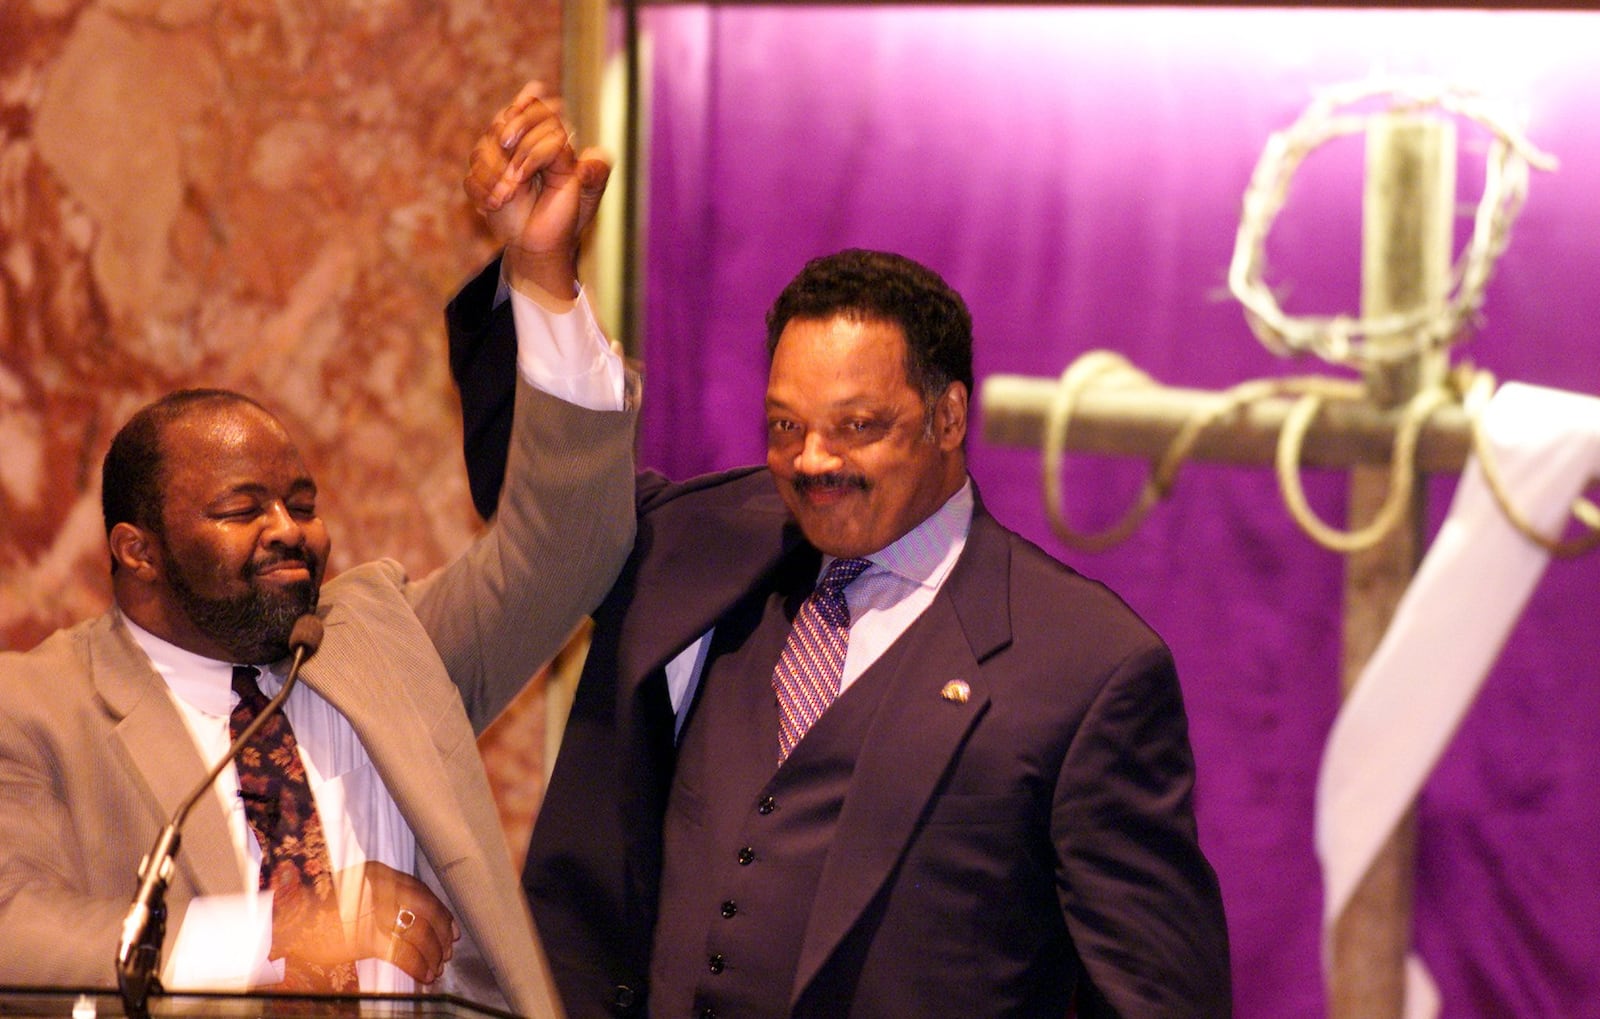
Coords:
1076,173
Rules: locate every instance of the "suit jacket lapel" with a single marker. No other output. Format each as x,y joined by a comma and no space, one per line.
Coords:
161,750
913,737
678,598
395,732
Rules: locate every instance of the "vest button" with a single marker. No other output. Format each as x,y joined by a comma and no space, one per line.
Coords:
730,909
716,963
708,1013
766,805
622,998
747,856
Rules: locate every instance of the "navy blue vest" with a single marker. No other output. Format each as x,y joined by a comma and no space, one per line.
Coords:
745,839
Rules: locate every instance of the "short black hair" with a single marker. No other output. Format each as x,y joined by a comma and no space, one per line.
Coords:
880,286
134,471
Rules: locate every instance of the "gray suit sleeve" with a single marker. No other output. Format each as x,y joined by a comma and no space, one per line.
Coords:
563,527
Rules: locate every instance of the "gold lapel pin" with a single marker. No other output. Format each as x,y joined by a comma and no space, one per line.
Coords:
956,691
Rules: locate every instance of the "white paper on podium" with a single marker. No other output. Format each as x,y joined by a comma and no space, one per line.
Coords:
1446,633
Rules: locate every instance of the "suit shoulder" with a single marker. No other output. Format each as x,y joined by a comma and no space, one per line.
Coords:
53,677
1050,592
376,580
655,493
373,571
45,656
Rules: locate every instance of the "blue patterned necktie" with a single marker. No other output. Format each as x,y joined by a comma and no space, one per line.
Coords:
295,865
807,677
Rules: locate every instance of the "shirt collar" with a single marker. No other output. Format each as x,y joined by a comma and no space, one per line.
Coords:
204,684
927,552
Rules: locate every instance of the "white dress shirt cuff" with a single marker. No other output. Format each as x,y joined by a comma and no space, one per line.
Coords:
562,351
222,945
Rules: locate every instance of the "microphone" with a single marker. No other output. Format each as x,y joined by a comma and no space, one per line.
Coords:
144,929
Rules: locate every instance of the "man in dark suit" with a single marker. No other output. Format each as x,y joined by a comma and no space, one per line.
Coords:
990,813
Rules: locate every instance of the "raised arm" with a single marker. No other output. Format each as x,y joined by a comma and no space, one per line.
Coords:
507,181
563,521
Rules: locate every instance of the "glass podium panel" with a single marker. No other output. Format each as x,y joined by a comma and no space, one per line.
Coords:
100,1003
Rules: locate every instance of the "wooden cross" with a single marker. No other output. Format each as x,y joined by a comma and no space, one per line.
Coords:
1409,198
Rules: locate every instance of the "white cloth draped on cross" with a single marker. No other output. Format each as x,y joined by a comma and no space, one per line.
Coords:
1445,635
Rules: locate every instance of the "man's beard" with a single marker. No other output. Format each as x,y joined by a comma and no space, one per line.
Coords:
254,626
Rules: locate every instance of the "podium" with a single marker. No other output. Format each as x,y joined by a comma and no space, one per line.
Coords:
105,1003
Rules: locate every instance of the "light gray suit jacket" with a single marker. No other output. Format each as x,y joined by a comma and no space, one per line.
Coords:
94,757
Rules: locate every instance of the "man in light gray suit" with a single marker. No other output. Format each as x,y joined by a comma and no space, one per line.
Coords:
216,551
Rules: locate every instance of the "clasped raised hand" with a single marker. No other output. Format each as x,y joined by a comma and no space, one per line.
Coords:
537,194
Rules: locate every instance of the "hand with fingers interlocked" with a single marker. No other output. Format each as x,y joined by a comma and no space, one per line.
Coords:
536,192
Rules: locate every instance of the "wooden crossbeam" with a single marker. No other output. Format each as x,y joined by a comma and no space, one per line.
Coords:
1142,422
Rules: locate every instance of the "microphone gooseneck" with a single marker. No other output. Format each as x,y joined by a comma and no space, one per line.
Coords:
144,928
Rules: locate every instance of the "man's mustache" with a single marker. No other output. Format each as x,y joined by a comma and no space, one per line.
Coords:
832,481
297,557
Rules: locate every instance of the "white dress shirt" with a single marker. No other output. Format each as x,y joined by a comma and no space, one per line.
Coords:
359,819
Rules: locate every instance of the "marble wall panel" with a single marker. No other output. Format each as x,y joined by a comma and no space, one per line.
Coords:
256,194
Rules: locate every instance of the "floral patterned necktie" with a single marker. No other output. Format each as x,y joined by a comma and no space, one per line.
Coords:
295,865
